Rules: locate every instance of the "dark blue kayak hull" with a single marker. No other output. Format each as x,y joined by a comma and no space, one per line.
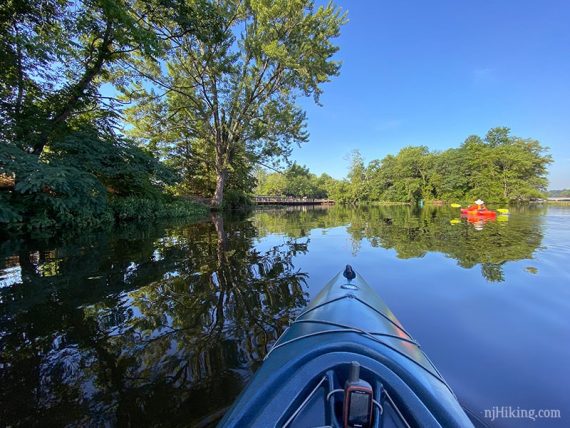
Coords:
346,322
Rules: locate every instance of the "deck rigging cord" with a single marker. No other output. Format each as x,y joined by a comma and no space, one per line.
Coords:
371,335
352,296
305,401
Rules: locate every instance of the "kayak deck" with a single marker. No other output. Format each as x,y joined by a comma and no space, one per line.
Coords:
479,213
301,381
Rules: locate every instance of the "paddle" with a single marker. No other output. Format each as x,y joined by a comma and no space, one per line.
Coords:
499,210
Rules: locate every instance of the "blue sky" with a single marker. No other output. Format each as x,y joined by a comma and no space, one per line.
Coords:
434,72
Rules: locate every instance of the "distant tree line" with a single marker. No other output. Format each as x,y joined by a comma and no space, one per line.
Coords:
497,168
562,193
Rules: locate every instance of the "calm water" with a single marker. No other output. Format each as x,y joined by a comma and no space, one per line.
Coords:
165,325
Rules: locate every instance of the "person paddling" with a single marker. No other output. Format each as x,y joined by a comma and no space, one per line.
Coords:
478,205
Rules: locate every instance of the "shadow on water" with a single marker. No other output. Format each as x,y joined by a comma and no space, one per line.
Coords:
143,327
164,325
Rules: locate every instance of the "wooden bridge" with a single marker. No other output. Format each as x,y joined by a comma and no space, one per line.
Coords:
290,200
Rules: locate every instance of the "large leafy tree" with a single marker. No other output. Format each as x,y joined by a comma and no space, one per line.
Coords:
404,177
60,153
55,55
295,181
230,100
359,188
497,168
504,167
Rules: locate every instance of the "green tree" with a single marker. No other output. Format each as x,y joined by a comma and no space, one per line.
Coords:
300,182
380,177
450,175
60,154
499,168
404,177
339,191
295,181
357,178
562,193
275,185
506,168
236,93
55,56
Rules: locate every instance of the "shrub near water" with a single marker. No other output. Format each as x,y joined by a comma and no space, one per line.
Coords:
236,200
137,209
86,180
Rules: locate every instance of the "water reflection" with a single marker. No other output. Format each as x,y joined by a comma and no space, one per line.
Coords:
163,326
479,222
142,331
414,233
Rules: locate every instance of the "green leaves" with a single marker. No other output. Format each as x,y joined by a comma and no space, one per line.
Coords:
296,181
71,183
141,209
229,102
54,193
501,168
506,168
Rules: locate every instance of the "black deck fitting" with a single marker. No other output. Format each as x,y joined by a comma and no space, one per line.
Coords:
349,273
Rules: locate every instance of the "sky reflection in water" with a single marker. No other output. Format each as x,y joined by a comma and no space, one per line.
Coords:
165,325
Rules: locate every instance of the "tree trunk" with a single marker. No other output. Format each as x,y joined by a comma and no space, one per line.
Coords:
77,92
218,222
218,197
19,64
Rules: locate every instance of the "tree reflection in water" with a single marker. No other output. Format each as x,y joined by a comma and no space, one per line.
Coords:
414,233
144,331
164,326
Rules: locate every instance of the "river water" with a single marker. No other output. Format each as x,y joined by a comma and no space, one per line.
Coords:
164,325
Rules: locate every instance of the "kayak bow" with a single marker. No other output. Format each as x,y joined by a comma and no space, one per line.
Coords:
304,379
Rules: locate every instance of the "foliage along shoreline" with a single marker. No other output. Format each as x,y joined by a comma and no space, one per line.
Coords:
202,92
498,168
204,98
560,193
152,105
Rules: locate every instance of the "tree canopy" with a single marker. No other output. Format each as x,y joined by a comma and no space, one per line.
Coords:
497,168
109,109
561,193
116,110
228,103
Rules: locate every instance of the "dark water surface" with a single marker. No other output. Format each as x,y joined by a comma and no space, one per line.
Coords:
165,325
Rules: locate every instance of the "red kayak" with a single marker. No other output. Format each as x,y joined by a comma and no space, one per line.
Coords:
479,213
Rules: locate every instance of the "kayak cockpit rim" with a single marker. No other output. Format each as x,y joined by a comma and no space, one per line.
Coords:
371,336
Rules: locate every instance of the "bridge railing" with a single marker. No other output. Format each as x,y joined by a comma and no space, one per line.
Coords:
262,199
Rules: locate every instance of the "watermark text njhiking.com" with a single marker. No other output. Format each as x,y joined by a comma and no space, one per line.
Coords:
510,412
